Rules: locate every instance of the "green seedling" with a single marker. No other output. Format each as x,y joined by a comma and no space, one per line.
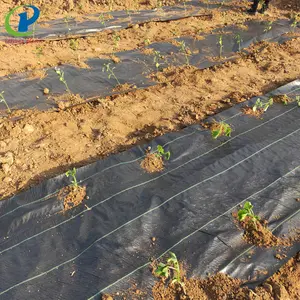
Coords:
110,71
162,153
247,211
129,15
268,26
184,5
221,128
221,45
186,52
72,173
157,58
2,99
262,105
116,39
295,21
102,20
61,75
239,40
66,20
74,44
170,269
147,42
39,51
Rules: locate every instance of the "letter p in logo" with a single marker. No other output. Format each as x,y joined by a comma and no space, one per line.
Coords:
24,21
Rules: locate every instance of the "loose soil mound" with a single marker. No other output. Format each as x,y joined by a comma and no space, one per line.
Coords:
152,163
259,234
284,285
249,111
72,196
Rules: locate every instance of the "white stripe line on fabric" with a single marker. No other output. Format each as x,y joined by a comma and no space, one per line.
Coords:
140,184
202,227
150,210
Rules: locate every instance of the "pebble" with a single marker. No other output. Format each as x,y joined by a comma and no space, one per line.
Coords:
7,158
2,144
28,128
7,180
6,168
46,91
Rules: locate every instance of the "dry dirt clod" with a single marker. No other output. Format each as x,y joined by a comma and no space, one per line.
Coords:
46,91
28,128
152,163
7,158
6,168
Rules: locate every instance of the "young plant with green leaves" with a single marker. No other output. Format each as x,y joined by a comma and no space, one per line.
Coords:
221,129
38,51
116,39
162,153
295,21
247,211
62,79
74,44
238,40
186,52
156,59
170,269
110,72
66,21
262,105
72,174
147,42
221,45
2,99
102,20
128,12
268,26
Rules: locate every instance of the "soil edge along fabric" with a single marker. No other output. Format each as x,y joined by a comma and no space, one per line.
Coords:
103,245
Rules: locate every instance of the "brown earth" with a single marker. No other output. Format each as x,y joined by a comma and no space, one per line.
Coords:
259,234
249,111
72,196
152,163
283,285
37,145
75,51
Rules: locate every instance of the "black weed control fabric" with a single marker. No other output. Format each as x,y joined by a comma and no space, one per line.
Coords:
115,20
135,66
105,244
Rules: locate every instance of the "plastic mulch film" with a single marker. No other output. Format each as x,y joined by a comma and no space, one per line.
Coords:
135,66
115,20
105,244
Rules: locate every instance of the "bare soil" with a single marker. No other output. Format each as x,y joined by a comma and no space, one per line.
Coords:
72,196
43,144
152,163
249,111
259,234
